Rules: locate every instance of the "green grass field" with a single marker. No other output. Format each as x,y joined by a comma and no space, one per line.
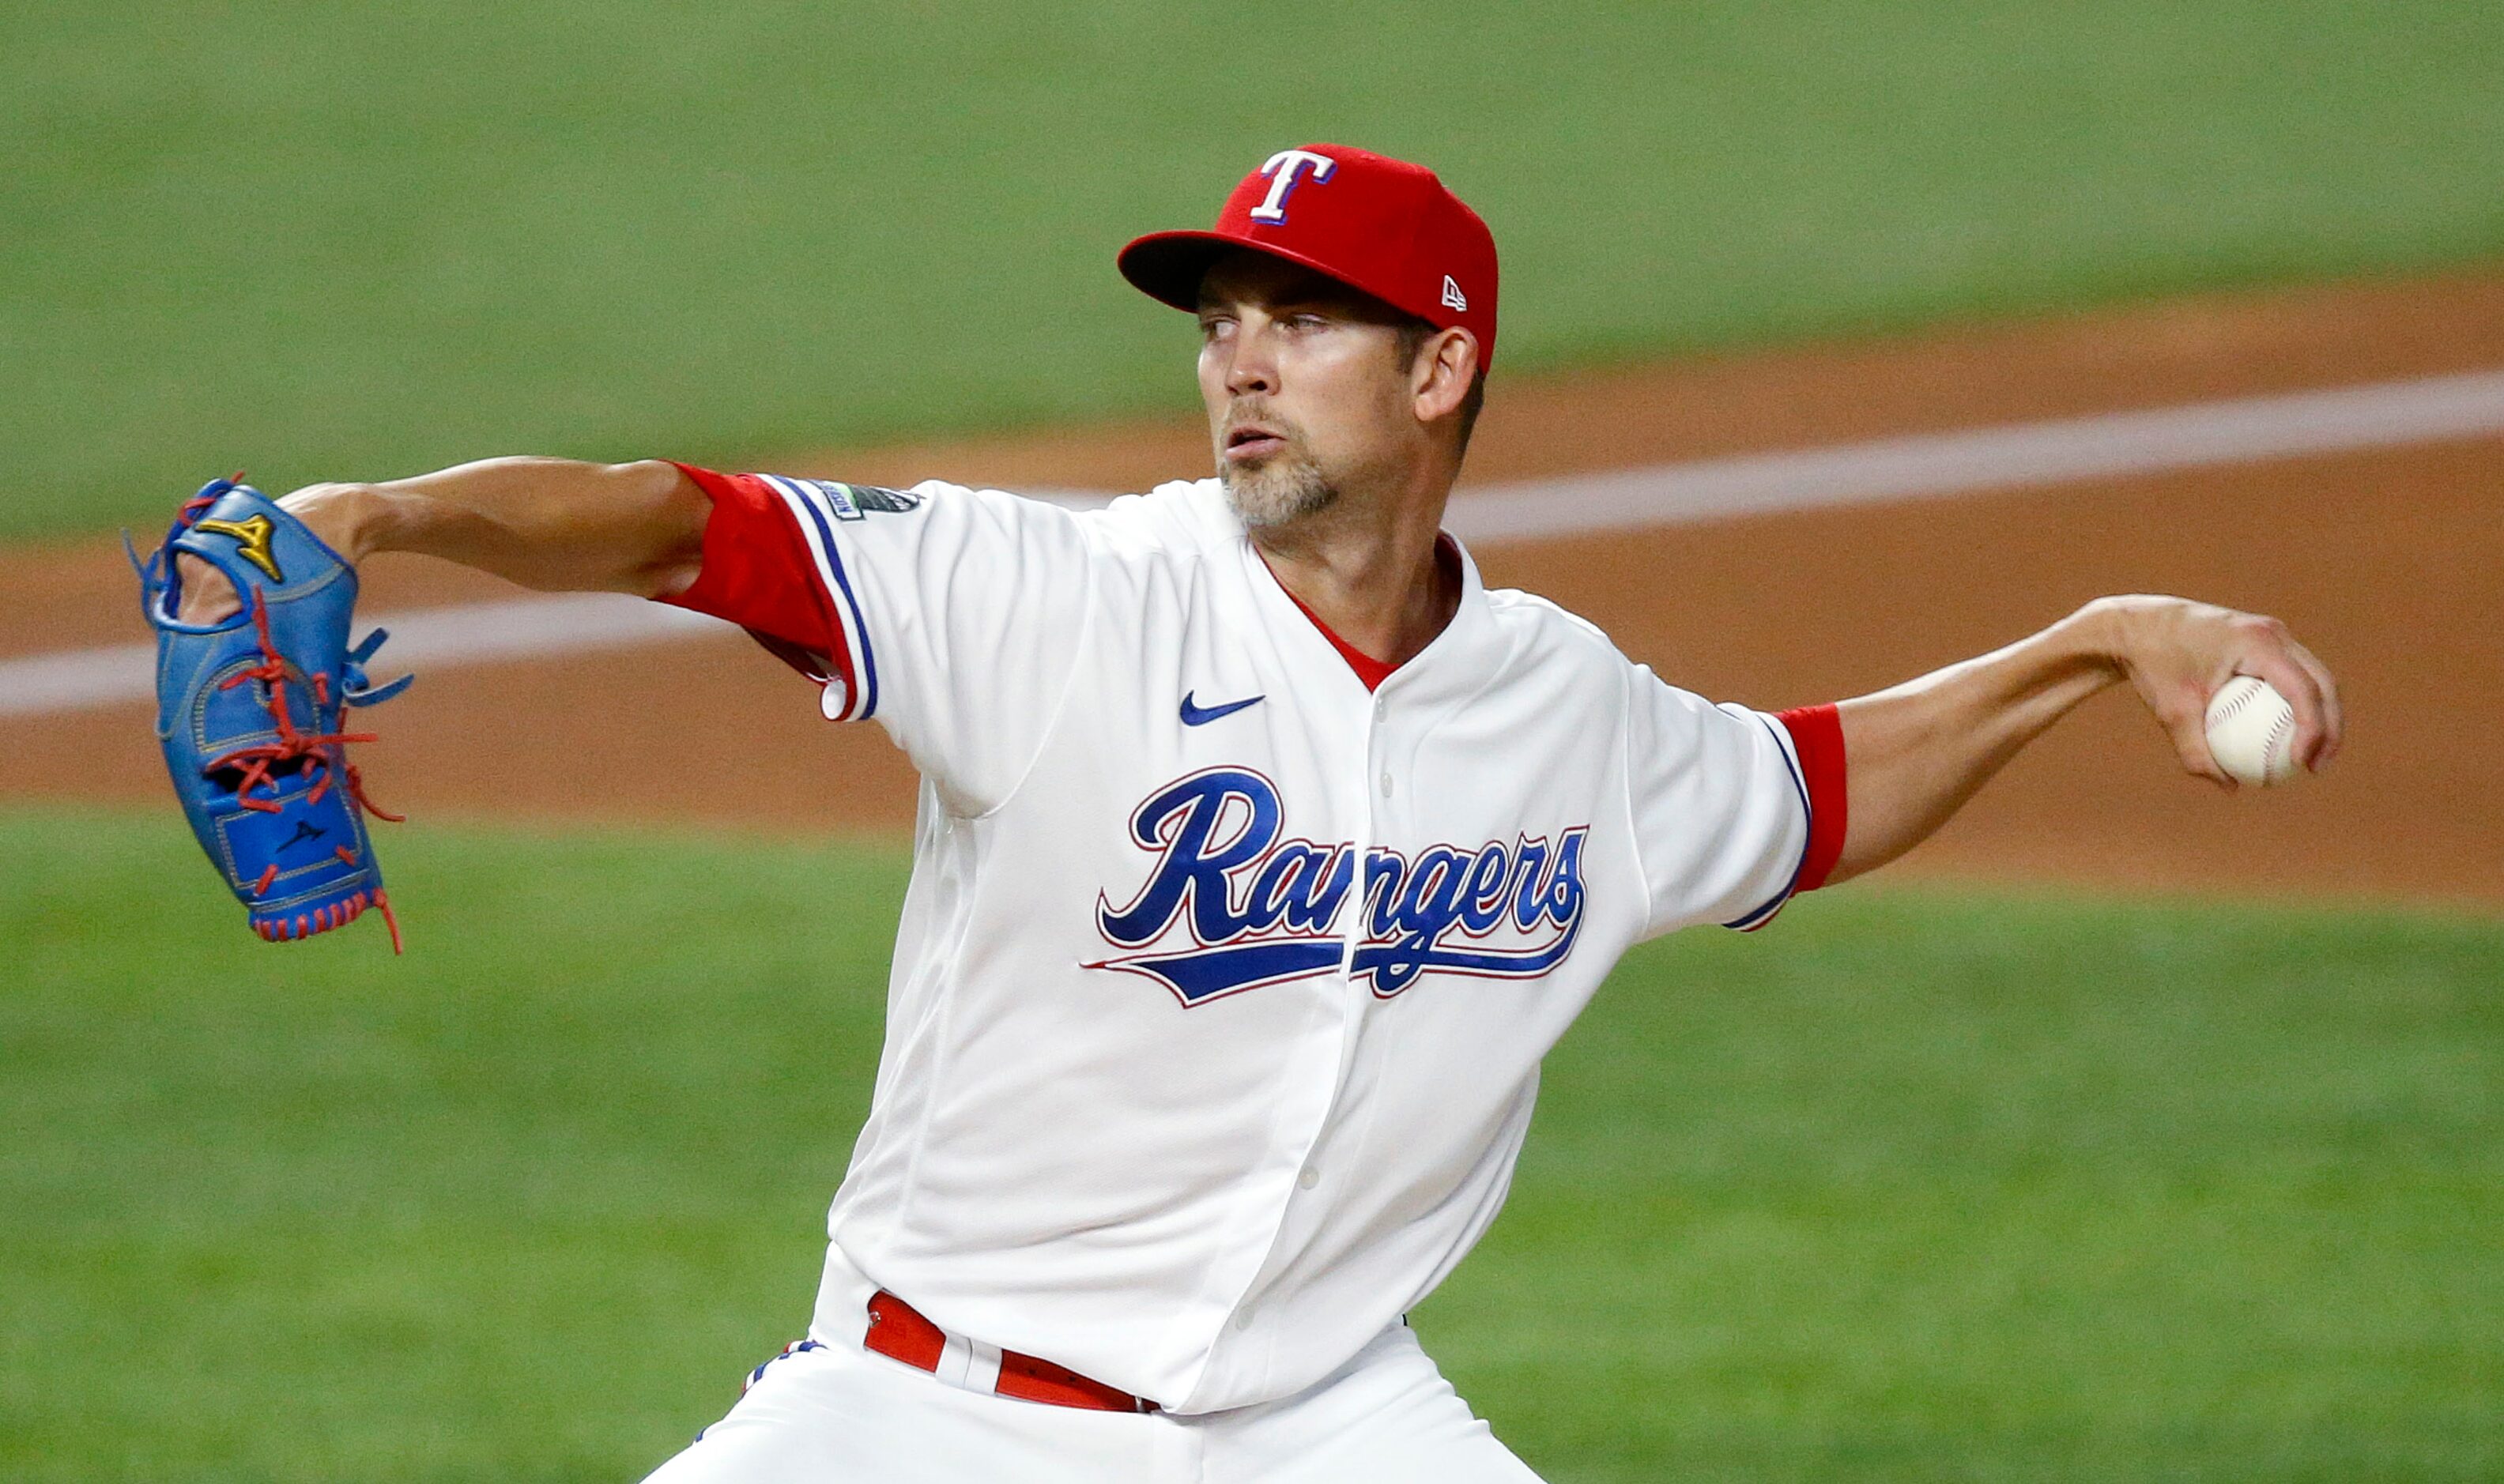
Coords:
354,240
1914,1186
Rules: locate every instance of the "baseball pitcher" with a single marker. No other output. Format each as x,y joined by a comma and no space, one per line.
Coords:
1263,851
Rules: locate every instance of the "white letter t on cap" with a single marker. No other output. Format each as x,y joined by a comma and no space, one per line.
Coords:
1285,169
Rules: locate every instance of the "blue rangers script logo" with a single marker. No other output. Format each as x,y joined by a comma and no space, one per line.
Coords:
1232,907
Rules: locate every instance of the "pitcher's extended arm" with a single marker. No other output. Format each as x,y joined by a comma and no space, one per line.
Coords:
552,523
1915,752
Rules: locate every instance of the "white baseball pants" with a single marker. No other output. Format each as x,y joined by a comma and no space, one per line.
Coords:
842,1413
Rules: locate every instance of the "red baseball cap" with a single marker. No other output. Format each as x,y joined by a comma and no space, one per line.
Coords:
1375,224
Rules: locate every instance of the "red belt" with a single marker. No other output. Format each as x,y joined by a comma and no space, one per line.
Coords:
898,1331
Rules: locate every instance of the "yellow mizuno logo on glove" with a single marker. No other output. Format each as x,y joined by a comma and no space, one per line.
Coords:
252,539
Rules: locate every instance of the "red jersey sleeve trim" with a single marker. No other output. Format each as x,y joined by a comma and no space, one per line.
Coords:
761,573
1817,736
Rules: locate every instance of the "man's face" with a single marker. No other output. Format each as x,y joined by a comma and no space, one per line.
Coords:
1304,384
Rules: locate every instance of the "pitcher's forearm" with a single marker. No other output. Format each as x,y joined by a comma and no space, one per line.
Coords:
552,523
1915,752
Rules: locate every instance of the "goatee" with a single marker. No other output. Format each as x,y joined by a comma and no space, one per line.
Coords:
1283,489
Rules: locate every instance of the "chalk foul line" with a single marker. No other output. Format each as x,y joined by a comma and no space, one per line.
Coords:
2023,455
1927,466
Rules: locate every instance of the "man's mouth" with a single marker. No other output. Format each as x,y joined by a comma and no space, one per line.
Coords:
1251,441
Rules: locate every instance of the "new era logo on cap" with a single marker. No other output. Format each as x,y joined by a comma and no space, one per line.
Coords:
1380,225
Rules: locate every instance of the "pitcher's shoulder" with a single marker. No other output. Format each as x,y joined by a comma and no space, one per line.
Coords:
1179,513
1542,629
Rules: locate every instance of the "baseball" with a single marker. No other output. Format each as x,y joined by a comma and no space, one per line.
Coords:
2251,731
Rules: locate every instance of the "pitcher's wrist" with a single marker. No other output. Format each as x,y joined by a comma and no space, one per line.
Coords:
2101,635
348,517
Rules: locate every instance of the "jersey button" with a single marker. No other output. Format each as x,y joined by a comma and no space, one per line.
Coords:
1243,1319
1308,1178
1386,782
1381,709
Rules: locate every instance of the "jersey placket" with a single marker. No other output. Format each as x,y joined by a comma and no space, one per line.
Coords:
1310,671
1400,717
1369,797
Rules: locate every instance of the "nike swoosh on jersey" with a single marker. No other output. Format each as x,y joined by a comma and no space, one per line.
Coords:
1202,715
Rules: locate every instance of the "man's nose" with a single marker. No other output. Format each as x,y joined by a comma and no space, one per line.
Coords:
1253,367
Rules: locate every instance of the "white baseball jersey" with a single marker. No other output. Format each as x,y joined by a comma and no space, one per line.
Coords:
1223,980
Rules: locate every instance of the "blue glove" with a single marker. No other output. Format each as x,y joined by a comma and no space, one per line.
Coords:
250,710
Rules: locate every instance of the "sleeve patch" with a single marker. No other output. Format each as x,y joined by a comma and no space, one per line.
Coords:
856,502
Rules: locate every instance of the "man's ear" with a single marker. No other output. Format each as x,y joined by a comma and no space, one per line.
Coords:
1440,377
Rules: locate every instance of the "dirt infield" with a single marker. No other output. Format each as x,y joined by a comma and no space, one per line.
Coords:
2389,563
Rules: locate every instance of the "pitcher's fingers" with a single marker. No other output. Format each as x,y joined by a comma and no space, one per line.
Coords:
2334,718
2275,665
2190,734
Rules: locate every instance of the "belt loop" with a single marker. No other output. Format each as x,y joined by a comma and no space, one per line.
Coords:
898,1330
983,1367
953,1359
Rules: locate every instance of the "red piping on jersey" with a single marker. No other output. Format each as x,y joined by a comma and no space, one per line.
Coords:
1817,735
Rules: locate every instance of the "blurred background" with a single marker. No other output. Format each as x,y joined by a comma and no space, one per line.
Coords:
2125,1130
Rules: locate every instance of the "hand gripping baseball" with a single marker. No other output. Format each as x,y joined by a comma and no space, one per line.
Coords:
2179,654
249,712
